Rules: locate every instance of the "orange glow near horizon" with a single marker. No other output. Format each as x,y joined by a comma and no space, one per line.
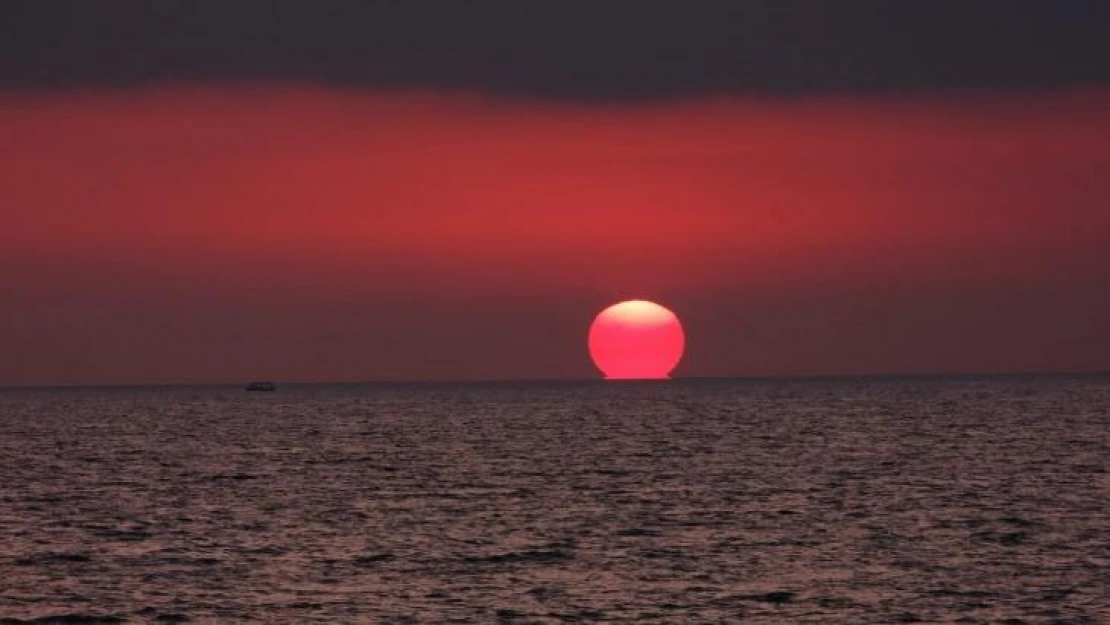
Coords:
353,234
636,340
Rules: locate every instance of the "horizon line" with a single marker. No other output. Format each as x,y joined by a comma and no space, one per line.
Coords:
568,380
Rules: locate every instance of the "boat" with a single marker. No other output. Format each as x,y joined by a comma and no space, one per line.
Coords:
261,386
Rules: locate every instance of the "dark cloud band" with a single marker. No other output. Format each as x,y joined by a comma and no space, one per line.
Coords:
607,49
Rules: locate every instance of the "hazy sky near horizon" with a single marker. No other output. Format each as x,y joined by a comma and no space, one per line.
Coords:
195,194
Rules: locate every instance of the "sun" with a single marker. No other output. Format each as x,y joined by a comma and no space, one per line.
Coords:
636,340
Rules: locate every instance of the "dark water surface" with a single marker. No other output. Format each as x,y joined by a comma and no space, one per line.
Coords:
836,501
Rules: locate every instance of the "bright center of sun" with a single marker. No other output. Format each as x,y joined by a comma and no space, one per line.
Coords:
636,340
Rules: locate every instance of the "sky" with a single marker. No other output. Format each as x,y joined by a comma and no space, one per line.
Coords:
208,192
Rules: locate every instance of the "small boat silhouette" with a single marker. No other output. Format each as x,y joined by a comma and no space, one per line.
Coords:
261,386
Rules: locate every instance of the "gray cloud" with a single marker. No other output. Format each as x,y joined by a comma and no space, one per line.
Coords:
569,48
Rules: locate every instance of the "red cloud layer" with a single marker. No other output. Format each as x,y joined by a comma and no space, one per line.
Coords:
304,194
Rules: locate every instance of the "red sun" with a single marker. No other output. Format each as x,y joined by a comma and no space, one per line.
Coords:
636,339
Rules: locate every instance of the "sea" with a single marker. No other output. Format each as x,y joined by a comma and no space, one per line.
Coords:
825,500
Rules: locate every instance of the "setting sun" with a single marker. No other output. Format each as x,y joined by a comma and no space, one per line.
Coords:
636,339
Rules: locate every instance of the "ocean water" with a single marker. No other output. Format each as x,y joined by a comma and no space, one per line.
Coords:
970,500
